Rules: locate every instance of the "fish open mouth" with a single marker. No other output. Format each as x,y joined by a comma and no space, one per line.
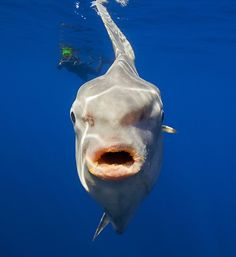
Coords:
116,158
115,163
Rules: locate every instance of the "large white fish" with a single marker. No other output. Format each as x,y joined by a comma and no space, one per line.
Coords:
118,124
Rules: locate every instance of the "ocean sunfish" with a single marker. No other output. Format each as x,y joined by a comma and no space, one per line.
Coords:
117,120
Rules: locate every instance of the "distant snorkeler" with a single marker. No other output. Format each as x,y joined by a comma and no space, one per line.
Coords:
71,61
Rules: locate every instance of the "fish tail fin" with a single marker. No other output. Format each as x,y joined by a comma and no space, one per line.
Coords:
120,43
102,224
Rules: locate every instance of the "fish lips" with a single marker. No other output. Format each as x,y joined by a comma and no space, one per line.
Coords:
115,163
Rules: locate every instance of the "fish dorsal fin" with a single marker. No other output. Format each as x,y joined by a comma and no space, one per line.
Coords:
120,43
102,224
168,129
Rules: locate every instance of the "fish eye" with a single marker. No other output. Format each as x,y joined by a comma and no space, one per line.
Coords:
72,116
162,116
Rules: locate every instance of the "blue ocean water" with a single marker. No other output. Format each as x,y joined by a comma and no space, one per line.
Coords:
188,49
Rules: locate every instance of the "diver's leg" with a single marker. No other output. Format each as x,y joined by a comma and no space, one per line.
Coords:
60,64
95,70
99,66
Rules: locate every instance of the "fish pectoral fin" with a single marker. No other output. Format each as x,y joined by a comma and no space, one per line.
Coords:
168,129
102,224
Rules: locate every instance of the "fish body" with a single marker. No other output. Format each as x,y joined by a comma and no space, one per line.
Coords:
118,125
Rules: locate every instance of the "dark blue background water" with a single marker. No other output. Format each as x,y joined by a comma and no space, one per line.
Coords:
187,48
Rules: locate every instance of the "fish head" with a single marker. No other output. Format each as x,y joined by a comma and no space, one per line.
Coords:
117,121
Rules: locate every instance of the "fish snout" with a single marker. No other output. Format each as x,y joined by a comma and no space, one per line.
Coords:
115,162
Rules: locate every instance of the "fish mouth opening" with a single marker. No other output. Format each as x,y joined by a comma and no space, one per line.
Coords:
115,163
116,158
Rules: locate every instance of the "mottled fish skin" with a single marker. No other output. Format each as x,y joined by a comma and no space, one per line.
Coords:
118,111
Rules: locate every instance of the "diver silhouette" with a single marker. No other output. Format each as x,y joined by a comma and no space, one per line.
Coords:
71,62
